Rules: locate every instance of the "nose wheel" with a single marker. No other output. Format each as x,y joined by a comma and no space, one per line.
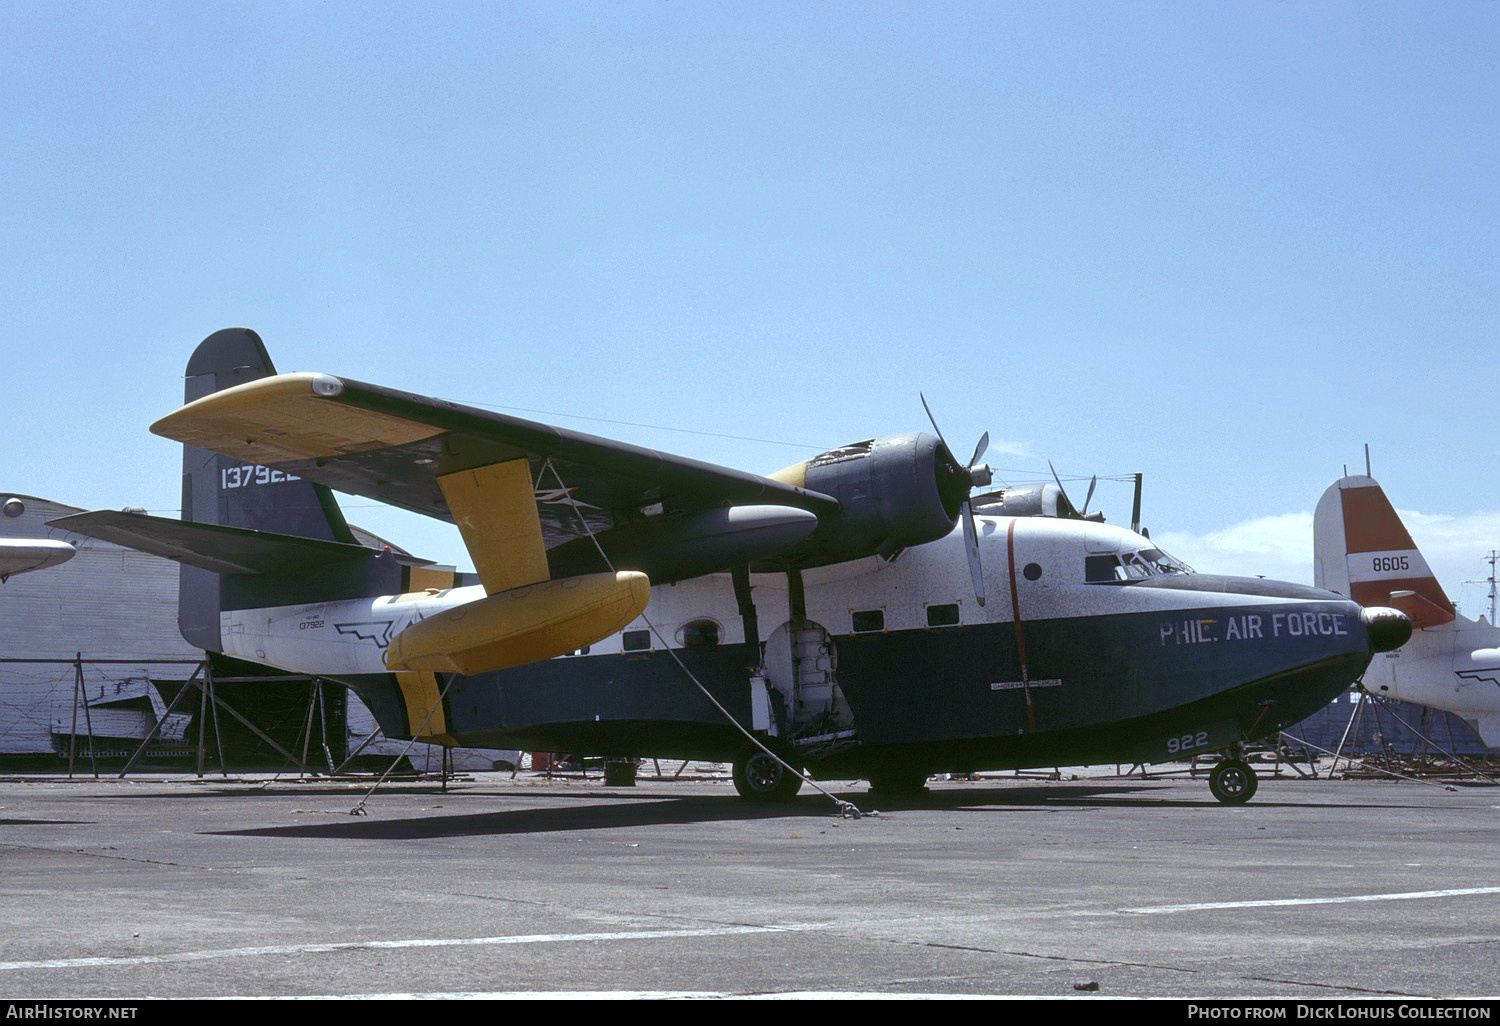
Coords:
1233,782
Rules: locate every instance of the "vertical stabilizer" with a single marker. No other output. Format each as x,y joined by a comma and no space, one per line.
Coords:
1361,549
225,491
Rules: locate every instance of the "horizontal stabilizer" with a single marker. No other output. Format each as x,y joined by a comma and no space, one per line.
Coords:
1421,610
223,550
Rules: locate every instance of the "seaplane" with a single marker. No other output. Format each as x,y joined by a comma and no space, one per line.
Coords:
878,611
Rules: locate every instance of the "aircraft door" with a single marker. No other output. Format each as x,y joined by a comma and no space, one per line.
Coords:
801,670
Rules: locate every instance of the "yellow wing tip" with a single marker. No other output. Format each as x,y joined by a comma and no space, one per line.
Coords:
282,419
238,398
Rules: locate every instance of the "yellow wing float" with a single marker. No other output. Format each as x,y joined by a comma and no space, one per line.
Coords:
535,506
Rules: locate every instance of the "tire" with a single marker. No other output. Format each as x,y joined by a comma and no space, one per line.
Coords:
759,777
1233,782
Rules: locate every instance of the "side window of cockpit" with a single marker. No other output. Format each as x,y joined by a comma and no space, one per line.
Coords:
1098,569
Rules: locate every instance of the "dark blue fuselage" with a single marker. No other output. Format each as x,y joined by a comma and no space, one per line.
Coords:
1210,668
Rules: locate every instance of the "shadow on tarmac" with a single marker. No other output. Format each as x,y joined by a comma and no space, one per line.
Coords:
611,810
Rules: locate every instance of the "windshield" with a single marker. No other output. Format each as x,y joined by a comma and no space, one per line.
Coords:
1164,563
1131,566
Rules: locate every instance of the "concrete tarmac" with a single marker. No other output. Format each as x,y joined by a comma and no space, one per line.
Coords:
171,887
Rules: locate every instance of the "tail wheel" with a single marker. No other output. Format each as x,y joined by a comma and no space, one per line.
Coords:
759,777
1233,782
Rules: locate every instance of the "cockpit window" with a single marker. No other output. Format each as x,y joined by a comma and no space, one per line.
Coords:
1098,569
1131,566
1164,563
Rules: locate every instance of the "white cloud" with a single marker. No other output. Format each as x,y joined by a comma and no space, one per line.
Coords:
1455,545
1277,546
1018,451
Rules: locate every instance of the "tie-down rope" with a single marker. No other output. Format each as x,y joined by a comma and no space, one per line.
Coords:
847,810
359,808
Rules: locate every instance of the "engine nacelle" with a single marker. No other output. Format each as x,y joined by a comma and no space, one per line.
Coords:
1037,500
893,493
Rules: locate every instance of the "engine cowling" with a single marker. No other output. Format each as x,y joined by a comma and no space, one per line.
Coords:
1035,500
893,493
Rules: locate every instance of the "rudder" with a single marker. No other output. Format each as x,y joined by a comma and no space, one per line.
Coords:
1361,549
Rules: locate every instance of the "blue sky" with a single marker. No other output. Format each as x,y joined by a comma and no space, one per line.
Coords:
1221,244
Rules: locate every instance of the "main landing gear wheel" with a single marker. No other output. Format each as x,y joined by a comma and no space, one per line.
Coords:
1233,782
759,777
898,783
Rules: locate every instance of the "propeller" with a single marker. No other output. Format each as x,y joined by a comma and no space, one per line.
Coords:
973,475
1065,507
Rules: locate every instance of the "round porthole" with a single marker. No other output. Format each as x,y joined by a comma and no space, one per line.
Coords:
701,633
1033,571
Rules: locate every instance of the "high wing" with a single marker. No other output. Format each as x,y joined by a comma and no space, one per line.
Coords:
415,452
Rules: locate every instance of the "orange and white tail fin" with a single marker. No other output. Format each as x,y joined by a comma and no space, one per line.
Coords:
1361,549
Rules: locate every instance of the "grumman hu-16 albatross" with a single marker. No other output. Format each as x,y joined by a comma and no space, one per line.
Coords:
1361,549
836,608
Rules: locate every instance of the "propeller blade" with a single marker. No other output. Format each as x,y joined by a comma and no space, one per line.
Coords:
984,443
932,420
977,474
971,546
1092,482
1060,486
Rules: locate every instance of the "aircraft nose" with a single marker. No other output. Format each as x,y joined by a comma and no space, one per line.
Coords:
1388,628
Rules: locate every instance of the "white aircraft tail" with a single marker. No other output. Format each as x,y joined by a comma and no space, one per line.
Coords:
1361,549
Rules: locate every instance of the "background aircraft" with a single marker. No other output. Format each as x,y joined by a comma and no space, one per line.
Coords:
861,614
1362,549
20,555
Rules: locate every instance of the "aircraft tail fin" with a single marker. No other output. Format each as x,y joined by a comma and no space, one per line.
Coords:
231,493
1361,549
225,492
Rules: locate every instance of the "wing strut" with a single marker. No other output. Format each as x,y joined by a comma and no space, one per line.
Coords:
495,509
526,616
